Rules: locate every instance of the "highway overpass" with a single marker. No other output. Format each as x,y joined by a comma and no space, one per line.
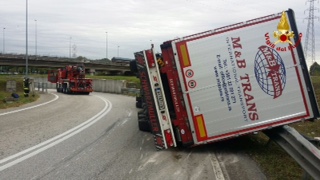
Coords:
56,62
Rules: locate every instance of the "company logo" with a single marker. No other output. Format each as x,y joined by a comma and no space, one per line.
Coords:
270,71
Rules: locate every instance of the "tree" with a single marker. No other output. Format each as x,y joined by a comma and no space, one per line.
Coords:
315,69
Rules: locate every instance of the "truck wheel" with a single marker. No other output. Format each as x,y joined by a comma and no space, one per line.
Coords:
58,88
139,104
64,88
143,121
144,125
138,98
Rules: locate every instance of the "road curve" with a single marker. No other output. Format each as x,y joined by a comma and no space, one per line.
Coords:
96,137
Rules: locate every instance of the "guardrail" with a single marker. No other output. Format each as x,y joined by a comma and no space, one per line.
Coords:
304,152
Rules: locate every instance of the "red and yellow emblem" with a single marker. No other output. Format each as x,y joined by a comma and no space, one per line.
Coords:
283,34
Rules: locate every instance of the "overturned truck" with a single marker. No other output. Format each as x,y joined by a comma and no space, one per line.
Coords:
225,82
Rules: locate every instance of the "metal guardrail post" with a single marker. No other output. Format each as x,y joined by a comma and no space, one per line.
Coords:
298,147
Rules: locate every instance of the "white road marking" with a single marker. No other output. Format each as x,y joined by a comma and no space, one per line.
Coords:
129,112
30,152
10,112
188,155
125,120
216,167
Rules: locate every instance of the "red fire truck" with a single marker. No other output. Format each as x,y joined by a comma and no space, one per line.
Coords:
71,79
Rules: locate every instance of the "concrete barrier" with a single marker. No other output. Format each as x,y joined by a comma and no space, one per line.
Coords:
108,85
99,85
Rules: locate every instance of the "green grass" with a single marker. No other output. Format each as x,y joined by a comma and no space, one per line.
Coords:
273,160
19,90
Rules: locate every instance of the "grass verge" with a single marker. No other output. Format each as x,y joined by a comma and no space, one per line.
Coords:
272,159
19,90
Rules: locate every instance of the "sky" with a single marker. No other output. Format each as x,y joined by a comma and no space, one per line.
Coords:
98,29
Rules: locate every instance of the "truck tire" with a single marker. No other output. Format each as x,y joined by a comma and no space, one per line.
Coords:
144,125
64,88
138,104
58,88
67,91
143,120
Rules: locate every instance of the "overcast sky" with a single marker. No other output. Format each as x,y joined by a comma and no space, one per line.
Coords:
131,25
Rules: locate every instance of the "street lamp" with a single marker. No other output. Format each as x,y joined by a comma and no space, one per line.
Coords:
35,37
26,38
3,45
70,47
118,50
106,45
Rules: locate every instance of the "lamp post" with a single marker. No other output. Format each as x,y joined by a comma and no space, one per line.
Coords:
106,45
70,47
3,42
118,51
26,38
35,37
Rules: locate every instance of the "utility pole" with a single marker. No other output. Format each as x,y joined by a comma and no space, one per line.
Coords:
27,39
35,37
70,47
106,45
3,41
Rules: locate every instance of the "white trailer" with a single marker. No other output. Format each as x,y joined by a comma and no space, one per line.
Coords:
227,82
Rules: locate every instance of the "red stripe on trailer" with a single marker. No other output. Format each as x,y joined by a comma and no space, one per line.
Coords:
254,129
150,58
299,79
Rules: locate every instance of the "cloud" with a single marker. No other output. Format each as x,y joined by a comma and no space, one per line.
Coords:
132,25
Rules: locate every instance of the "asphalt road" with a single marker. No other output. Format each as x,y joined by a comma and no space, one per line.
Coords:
96,137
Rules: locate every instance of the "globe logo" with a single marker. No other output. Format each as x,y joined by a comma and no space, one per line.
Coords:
270,71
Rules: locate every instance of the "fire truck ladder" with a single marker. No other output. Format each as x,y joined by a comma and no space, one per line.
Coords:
301,148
